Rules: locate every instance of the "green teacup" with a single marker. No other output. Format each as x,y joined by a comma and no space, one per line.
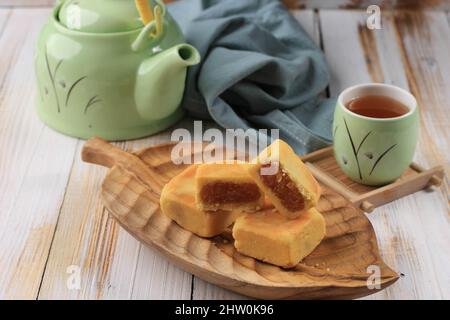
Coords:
375,151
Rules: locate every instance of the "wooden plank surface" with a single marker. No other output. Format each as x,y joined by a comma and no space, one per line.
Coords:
363,4
4,16
28,213
423,40
51,217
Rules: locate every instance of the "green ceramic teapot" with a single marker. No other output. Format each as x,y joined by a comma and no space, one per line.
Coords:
102,72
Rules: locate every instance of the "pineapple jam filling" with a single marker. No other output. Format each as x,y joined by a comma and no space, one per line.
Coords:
226,192
285,189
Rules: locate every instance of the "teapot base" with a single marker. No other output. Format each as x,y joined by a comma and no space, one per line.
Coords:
121,134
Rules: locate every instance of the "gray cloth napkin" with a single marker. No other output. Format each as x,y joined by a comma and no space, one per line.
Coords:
260,69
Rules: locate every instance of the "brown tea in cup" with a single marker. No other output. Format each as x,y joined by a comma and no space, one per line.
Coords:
377,107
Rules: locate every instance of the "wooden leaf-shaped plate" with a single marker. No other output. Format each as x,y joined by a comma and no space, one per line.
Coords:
339,268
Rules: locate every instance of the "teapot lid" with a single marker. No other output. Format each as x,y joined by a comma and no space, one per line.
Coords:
100,16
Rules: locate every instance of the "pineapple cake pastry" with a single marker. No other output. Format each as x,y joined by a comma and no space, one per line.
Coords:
271,237
178,203
285,179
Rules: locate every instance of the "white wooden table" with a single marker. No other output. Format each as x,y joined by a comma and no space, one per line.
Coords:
51,216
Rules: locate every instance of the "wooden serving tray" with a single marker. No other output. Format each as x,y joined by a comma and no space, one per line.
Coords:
325,168
338,268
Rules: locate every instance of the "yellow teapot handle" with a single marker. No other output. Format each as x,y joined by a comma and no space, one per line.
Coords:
145,11
149,15
159,21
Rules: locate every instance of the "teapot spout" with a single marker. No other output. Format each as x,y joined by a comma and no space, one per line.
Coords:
161,81
185,55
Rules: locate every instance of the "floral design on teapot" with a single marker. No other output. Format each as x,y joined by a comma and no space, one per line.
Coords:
53,77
